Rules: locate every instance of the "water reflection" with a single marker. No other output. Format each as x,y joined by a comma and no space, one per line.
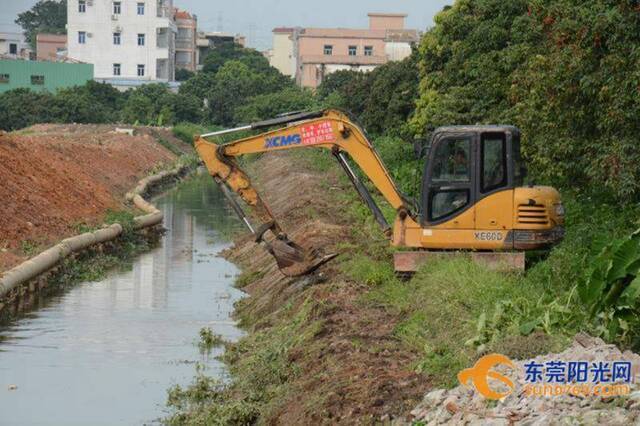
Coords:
106,352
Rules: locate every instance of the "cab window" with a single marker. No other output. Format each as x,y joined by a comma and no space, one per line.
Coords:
451,161
450,183
494,161
445,203
519,171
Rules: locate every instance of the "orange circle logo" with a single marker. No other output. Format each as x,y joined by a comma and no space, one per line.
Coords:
479,376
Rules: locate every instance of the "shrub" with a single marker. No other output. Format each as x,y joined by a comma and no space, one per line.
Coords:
267,106
612,287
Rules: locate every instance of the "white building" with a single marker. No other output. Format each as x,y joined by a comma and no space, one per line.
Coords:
13,45
283,56
129,42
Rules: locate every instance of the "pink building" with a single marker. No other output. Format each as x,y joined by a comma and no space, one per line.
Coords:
50,47
186,51
321,51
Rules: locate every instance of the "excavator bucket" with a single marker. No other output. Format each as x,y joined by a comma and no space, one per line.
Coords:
293,260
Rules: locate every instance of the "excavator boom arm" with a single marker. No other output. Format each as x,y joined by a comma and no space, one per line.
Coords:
329,129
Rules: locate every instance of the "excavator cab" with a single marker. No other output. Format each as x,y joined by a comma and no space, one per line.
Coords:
473,198
465,165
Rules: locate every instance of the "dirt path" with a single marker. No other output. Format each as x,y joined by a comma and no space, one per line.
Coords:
55,177
353,370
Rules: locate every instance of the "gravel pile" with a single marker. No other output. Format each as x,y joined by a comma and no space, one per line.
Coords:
464,406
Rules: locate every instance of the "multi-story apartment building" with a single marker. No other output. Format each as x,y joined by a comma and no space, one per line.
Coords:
125,40
186,52
316,52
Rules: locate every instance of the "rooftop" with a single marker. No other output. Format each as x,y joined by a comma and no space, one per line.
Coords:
183,14
387,15
343,33
283,30
51,37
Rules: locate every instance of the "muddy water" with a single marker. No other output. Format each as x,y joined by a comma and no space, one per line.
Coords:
106,352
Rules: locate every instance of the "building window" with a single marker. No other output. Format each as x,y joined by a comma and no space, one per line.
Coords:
37,79
368,51
116,38
82,37
13,49
4,78
116,69
353,50
328,49
140,8
140,70
140,39
82,6
117,8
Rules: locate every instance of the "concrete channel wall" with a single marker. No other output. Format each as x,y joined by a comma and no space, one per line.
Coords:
40,264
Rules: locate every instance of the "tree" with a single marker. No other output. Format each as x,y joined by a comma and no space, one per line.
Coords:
140,109
22,107
234,84
225,52
78,105
339,81
47,16
267,106
184,74
564,71
199,85
392,96
382,99
185,108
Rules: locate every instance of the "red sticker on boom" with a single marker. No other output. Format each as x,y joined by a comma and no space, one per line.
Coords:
318,133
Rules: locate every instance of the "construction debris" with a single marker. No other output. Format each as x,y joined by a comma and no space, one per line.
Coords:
465,406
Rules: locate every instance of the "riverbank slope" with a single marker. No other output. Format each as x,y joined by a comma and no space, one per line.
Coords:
317,351
59,178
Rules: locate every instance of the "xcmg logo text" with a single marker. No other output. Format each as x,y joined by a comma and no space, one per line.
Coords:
278,141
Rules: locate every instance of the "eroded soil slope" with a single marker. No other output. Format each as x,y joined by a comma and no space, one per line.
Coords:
352,369
54,177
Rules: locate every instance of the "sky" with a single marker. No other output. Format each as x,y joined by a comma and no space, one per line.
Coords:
256,18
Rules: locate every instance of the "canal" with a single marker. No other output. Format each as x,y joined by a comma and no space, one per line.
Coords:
106,352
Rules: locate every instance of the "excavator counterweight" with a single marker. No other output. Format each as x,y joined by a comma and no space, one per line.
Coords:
473,197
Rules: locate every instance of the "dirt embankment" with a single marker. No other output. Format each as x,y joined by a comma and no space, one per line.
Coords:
351,369
55,177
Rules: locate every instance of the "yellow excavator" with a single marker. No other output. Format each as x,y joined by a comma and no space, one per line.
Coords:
473,198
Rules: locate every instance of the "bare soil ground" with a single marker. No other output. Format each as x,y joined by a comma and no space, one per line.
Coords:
354,370
55,177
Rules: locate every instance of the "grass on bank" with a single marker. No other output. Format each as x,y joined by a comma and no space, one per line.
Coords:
187,131
261,371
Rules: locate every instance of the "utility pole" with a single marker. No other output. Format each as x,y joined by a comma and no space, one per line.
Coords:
220,23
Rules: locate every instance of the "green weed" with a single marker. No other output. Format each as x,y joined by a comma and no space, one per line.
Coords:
248,277
261,369
29,248
209,340
187,131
